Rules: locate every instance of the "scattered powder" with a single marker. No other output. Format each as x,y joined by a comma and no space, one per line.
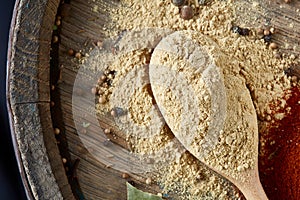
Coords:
192,180
248,59
251,56
131,95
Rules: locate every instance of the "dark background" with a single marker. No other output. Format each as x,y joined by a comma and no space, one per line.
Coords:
11,187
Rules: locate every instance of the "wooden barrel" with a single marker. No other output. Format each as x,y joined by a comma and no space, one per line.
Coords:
28,89
29,93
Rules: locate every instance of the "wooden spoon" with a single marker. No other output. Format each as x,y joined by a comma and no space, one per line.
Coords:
211,114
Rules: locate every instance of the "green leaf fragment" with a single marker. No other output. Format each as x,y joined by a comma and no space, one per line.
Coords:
85,125
135,194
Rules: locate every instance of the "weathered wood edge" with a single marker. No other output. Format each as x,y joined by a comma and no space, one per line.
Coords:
28,100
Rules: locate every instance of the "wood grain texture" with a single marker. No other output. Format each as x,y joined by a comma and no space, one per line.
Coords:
28,92
80,29
285,18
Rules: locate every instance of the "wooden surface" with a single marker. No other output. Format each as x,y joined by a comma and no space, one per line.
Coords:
80,29
83,27
285,18
29,90
29,99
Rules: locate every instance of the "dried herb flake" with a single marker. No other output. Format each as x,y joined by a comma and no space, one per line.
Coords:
135,194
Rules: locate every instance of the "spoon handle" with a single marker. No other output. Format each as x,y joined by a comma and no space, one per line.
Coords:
253,189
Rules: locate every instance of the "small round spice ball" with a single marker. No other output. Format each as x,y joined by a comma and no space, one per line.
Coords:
107,131
71,52
55,39
56,131
267,38
125,175
78,55
186,12
52,104
64,160
103,77
273,45
267,32
102,99
178,2
58,22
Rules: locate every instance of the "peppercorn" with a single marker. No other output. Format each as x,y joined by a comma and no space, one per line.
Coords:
78,55
102,99
55,39
52,87
240,31
56,131
125,175
52,104
186,12
64,160
236,29
178,2
273,45
58,22
267,38
267,32
245,32
106,131
71,52
103,77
